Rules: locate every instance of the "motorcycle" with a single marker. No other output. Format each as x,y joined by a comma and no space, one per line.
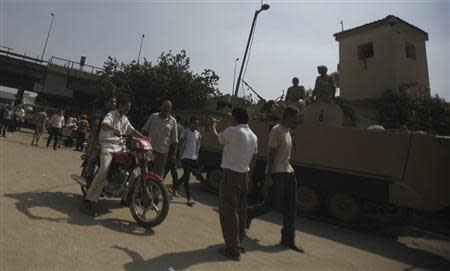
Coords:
129,178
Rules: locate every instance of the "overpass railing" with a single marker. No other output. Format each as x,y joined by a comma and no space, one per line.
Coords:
67,63
20,56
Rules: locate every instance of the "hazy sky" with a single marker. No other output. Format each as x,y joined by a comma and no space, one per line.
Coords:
291,38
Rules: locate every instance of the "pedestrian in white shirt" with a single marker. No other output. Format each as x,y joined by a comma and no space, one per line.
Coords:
56,123
238,159
114,125
190,146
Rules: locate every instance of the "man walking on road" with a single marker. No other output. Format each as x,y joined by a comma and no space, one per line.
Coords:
114,125
6,121
283,194
239,157
41,121
173,166
56,123
161,128
190,146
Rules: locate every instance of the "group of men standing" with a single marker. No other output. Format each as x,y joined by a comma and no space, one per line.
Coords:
324,88
238,162
161,128
11,119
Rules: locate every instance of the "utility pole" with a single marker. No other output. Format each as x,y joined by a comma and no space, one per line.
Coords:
48,35
140,48
263,7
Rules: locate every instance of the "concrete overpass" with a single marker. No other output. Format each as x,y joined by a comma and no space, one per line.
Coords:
56,79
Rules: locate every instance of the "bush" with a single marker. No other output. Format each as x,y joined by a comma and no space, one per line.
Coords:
429,114
150,85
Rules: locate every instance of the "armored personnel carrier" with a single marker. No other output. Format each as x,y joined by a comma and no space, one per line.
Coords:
344,170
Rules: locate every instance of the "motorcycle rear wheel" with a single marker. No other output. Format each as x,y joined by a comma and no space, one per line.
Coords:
154,198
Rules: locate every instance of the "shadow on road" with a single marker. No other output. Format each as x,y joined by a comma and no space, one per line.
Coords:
68,204
376,243
186,259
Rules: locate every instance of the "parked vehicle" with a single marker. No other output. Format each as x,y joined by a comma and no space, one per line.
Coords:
347,171
130,179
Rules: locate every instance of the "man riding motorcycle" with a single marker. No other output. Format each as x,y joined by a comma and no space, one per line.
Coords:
93,150
114,125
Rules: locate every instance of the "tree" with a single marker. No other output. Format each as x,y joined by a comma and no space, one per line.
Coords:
150,85
429,114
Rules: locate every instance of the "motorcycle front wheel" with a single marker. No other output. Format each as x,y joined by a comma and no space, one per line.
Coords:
149,203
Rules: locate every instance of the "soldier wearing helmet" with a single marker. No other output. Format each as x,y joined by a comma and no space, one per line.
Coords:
324,89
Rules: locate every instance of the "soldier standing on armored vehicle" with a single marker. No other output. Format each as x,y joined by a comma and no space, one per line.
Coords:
324,89
295,92
283,193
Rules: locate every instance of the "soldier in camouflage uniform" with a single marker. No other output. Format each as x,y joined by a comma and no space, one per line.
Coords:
324,89
295,92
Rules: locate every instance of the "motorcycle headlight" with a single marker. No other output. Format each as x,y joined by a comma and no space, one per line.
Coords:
148,155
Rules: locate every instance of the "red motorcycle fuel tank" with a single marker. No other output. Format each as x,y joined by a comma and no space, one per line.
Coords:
123,159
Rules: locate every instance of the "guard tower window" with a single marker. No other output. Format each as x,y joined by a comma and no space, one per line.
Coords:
365,51
410,51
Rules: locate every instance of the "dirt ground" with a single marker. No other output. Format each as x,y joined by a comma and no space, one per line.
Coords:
42,229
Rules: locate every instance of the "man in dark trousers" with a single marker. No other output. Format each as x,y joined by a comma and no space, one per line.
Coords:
283,194
56,123
239,157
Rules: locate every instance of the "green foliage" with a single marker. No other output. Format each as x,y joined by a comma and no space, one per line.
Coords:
150,85
430,114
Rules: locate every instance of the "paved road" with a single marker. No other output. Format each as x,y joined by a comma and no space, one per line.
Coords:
41,228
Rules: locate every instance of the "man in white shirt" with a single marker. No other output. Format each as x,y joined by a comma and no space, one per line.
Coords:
239,157
114,125
56,123
190,146
283,194
161,128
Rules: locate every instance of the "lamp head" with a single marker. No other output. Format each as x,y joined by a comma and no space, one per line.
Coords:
265,7
52,14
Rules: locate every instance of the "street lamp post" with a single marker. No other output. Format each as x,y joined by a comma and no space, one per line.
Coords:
140,48
263,7
48,35
234,73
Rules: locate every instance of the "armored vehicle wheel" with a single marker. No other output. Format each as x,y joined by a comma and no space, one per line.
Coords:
213,177
344,207
308,199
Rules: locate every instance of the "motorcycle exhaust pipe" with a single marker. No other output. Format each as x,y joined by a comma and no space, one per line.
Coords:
79,179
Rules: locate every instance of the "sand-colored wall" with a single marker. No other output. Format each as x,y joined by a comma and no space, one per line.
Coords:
388,69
